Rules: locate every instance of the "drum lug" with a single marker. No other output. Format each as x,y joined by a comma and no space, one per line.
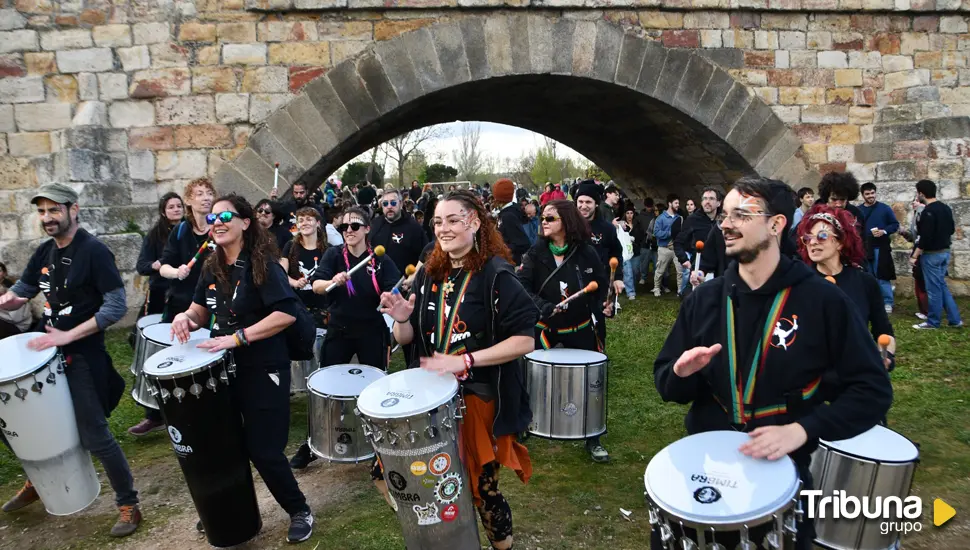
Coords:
799,510
772,540
392,438
666,534
4,397
654,517
687,544
165,395
746,543
212,384
51,378
224,377
178,393
21,393
460,409
37,386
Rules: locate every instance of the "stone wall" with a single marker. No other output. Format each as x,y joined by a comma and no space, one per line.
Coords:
128,100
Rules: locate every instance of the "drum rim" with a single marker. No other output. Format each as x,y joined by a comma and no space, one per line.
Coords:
216,356
733,524
825,445
50,354
170,343
392,416
314,391
605,358
155,319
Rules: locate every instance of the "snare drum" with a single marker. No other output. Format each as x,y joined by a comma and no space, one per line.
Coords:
877,463
301,370
37,418
412,419
567,393
157,337
703,489
138,357
192,386
335,431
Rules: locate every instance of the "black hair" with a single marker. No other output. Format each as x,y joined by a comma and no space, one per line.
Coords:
927,188
840,184
777,196
159,232
256,240
717,193
805,191
574,225
672,197
648,203
868,186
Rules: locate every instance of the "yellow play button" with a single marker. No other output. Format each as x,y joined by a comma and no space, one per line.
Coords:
942,512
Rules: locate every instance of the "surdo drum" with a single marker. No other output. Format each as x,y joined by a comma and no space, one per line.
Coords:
37,418
335,431
138,357
567,393
192,387
155,337
878,463
703,483
301,370
412,419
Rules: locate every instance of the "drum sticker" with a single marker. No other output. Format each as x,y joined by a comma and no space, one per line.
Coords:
6,432
440,463
596,385
165,364
448,489
390,402
397,481
355,371
345,438
340,448
405,497
429,482
570,409
707,495
419,468
450,512
427,515
180,450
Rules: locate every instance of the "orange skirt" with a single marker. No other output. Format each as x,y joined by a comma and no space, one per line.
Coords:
479,445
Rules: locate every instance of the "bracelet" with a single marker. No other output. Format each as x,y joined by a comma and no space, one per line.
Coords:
469,362
236,338
240,336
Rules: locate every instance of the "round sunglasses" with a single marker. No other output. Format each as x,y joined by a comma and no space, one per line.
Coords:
385,204
821,237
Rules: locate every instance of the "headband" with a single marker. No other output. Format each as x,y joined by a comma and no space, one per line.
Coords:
822,216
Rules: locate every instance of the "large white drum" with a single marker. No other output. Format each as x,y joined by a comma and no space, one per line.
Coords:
37,418
704,484
335,432
389,321
157,337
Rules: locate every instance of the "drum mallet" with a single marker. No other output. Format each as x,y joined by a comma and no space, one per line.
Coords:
276,177
378,251
614,263
591,287
884,341
698,247
830,279
198,254
408,271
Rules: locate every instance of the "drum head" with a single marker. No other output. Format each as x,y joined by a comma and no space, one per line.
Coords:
342,380
406,393
149,320
179,360
566,356
161,333
705,480
879,444
18,359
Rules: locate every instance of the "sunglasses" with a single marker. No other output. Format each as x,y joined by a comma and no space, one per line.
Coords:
353,226
550,219
224,217
821,237
385,204
265,211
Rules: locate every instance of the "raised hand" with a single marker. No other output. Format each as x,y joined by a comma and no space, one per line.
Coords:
695,359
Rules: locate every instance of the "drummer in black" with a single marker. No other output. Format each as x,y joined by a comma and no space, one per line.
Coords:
560,264
490,326
750,349
185,243
245,288
85,295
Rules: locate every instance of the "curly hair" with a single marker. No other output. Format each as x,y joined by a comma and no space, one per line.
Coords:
574,225
189,192
841,184
294,256
488,239
256,240
848,235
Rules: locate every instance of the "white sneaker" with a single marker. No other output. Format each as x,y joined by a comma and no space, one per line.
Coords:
922,326
920,316
889,309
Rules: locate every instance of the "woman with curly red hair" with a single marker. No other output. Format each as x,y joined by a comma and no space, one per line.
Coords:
829,240
491,325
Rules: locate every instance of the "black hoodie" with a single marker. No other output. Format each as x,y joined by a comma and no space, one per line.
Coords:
696,227
510,222
403,239
829,338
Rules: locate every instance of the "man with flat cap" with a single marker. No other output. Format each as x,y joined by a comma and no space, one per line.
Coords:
85,295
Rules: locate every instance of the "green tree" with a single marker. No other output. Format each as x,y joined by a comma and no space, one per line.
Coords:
596,173
546,166
356,173
438,172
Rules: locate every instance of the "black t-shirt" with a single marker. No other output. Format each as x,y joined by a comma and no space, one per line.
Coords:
863,291
935,227
249,305
308,262
182,246
347,310
74,283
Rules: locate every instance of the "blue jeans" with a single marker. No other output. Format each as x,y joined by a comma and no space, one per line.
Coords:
628,280
95,435
934,270
647,256
885,287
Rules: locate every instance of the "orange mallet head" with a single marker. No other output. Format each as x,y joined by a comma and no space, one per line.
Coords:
409,270
884,340
378,250
592,286
613,264
830,279
699,246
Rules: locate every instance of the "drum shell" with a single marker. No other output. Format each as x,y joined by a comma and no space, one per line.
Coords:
42,431
333,427
567,401
209,442
837,471
138,355
301,370
141,392
412,463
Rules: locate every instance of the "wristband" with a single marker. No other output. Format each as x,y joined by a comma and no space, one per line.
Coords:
240,336
469,361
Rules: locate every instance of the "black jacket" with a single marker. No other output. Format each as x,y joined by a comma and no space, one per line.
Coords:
510,222
696,227
606,243
181,247
713,257
151,251
829,338
403,240
579,267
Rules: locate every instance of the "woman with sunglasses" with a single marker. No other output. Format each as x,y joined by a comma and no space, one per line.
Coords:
268,215
560,264
490,327
828,240
245,288
186,241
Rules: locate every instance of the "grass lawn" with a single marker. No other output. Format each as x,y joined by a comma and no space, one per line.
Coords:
573,503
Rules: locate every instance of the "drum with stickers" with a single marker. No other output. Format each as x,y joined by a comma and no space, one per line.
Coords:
37,418
301,370
702,492
878,463
567,393
413,418
205,426
138,356
335,430
157,336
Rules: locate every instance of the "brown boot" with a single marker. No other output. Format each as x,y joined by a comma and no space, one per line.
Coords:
130,517
26,495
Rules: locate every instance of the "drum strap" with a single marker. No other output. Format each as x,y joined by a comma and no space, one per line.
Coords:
794,401
544,328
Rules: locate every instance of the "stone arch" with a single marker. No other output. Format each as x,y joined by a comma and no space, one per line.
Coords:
531,71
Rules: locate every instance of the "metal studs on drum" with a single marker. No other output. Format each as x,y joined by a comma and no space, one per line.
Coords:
165,395
666,534
21,393
51,379
772,540
37,386
392,438
687,544
654,516
4,397
196,388
212,384
178,393
411,435
746,542
714,545
223,377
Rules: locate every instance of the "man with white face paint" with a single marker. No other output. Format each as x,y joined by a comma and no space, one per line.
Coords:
770,387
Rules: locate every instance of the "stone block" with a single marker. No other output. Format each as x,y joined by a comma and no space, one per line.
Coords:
630,60
214,80
728,58
208,55
897,170
268,147
141,166
243,32
711,38
301,76
10,19
154,138
833,60
848,77
947,128
306,116
114,86
15,174
343,30
61,88
91,113
734,104
232,108
563,31
945,170
845,134
69,39
197,32
94,60
890,133
42,116
352,93
246,54
343,50
18,41
265,80
653,19
151,33
326,99
160,83
451,52
263,105
257,170
29,144
29,89
202,136
6,119
40,63
112,36
396,63
673,72
956,24
718,87
291,31
681,38
694,84
498,47
385,29
180,164
185,110
906,79
87,86
169,54
135,58
755,132
127,114
299,53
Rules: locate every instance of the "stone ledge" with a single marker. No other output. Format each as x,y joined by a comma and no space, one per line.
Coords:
845,6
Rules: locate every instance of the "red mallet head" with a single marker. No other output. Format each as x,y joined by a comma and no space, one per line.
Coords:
699,246
277,165
884,340
614,263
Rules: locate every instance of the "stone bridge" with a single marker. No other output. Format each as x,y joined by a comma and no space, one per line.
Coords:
128,100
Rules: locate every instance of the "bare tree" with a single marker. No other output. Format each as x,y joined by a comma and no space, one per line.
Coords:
401,148
468,158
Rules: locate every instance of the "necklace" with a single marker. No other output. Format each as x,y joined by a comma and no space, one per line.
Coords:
558,250
449,286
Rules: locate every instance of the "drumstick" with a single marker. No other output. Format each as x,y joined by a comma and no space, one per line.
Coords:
378,251
884,341
276,177
198,254
613,265
591,287
408,271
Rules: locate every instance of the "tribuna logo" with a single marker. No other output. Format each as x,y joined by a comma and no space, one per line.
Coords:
896,514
